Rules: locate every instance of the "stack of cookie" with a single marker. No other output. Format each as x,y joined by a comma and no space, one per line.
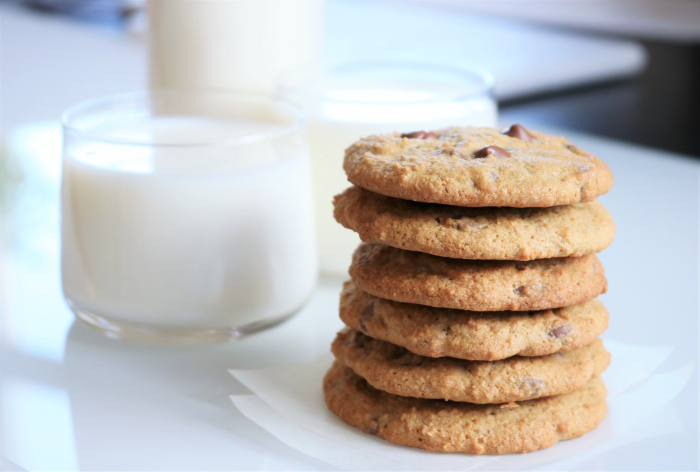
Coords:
472,314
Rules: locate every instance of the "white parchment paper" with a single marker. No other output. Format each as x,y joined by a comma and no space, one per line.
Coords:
288,402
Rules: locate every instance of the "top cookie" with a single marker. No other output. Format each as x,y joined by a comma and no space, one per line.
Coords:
477,166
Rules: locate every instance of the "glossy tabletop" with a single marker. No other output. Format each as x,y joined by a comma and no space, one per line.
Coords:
74,399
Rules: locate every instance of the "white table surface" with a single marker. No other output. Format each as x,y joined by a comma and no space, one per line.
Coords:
73,399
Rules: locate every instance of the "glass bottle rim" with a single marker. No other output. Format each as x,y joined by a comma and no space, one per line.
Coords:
298,79
132,101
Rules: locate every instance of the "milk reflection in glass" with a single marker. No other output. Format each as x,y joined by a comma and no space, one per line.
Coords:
187,235
353,101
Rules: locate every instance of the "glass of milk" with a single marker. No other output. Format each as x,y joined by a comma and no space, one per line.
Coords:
349,101
186,216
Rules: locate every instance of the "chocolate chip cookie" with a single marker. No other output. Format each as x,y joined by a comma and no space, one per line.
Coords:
396,370
516,234
477,166
414,277
472,335
446,426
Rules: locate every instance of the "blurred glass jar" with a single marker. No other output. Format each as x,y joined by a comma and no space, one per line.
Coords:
353,100
231,44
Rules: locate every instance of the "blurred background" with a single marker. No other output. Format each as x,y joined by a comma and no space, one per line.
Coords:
626,69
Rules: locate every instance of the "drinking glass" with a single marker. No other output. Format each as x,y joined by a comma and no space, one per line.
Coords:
186,216
349,101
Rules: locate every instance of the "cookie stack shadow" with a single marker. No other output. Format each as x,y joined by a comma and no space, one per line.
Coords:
472,317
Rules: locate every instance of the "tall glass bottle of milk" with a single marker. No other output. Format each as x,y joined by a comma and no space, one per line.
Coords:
349,101
186,216
239,45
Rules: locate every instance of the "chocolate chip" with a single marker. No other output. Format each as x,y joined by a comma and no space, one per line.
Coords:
519,290
487,151
419,135
520,266
367,313
517,131
535,385
363,326
561,331
373,427
457,153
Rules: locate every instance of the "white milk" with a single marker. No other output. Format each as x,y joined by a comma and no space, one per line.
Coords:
333,126
187,236
231,44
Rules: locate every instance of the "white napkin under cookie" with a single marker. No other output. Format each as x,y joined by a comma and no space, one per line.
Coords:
288,402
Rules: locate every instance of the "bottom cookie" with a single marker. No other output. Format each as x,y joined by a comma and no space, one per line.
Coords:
445,426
